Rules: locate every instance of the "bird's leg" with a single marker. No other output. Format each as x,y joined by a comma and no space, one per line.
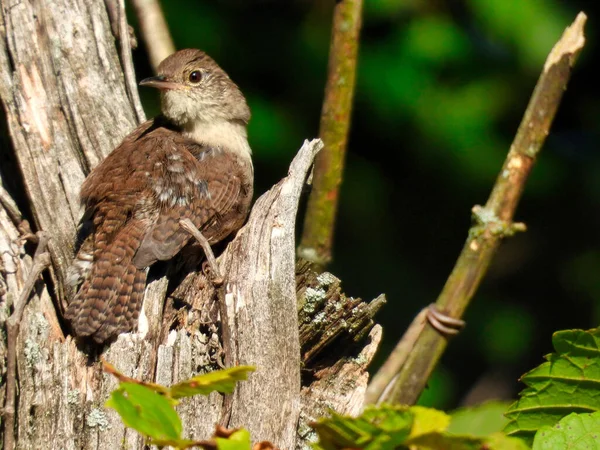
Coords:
445,325
188,226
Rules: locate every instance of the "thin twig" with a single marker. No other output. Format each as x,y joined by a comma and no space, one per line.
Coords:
41,261
317,236
493,222
127,61
155,31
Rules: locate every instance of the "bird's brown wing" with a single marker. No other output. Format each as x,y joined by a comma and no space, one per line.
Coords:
111,191
196,183
109,300
137,196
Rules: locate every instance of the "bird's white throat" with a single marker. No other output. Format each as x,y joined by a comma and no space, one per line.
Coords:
225,134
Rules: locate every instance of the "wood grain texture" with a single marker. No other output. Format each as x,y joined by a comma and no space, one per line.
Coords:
66,105
261,313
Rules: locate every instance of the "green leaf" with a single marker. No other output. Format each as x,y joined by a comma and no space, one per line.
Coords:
499,441
480,420
573,432
446,441
240,440
146,411
431,431
393,427
428,420
223,381
382,428
112,370
175,443
569,382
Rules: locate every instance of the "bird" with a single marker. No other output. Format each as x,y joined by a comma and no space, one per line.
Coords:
187,171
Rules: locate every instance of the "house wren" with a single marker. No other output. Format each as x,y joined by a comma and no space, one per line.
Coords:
189,170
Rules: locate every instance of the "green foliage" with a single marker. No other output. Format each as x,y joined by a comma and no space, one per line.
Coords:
394,427
223,381
441,441
146,411
481,420
149,408
239,440
568,382
575,432
383,428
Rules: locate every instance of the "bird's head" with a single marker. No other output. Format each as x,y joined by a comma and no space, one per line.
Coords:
194,89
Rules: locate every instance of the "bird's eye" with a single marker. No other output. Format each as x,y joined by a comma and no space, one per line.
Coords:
195,76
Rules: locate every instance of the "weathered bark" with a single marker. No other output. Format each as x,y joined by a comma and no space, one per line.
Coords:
67,106
333,328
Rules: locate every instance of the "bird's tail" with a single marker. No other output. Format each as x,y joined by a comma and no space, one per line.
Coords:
110,297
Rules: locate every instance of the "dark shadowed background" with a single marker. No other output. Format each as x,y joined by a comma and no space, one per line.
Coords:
441,88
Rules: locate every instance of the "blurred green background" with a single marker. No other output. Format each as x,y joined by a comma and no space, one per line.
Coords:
441,88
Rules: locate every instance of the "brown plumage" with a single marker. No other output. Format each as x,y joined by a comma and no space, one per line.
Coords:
192,162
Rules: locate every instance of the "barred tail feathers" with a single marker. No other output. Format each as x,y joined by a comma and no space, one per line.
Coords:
110,299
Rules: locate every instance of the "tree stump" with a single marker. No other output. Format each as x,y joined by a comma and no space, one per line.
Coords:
67,105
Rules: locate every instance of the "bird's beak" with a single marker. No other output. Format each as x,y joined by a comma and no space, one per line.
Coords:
160,82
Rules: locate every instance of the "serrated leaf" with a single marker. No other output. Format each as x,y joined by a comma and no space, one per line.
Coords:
573,432
146,411
480,420
240,440
568,382
223,381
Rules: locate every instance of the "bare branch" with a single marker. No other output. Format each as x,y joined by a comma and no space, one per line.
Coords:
155,31
317,236
421,352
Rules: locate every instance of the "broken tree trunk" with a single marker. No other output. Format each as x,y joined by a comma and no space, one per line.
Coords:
67,105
